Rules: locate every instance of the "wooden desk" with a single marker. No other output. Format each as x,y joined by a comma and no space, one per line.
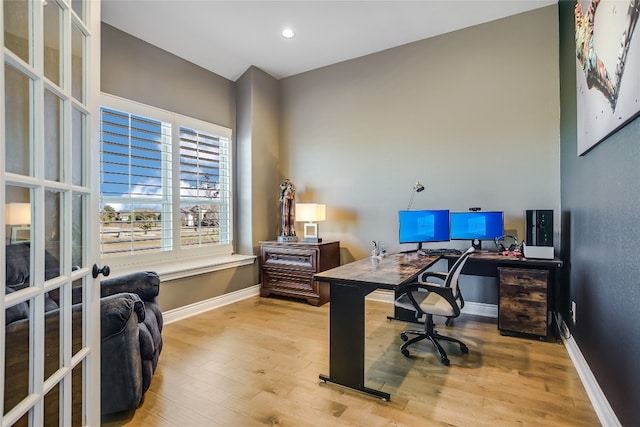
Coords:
349,284
490,264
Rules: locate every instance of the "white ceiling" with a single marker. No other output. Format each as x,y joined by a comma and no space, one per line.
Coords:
227,37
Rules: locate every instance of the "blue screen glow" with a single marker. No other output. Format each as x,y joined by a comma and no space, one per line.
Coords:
476,225
424,226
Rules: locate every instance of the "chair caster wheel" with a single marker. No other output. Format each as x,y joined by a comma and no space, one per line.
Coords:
405,352
464,349
445,361
403,336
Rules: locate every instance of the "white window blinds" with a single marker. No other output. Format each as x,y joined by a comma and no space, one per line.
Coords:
135,183
156,200
204,188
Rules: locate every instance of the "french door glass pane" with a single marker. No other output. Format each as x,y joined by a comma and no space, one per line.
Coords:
18,217
78,120
52,229
77,63
77,248
52,326
78,8
17,97
52,135
51,400
17,360
77,327
17,32
76,391
52,22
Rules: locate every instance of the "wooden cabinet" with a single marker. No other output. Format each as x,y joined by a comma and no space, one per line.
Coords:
523,301
287,269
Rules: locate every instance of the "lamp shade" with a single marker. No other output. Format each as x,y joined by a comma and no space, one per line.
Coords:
18,213
310,212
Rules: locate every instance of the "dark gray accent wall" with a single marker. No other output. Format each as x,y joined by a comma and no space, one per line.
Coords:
600,235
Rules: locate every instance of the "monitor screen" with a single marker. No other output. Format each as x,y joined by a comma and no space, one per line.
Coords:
476,225
424,226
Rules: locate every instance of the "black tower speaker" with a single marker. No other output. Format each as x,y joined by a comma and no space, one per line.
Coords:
539,227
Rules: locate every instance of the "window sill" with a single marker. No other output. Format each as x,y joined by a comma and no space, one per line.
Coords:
182,269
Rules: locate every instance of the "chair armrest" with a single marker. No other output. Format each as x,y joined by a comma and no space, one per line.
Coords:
446,293
435,274
440,276
116,310
144,283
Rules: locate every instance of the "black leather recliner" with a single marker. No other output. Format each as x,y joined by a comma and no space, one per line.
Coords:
131,336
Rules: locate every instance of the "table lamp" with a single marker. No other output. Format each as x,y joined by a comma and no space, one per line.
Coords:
18,217
310,213
18,214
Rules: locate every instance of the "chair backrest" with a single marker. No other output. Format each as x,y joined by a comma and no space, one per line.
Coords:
452,278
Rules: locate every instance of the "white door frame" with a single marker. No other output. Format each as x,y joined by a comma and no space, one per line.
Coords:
36,184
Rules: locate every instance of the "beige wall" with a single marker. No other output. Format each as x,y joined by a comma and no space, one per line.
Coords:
257,159
473,115
136,70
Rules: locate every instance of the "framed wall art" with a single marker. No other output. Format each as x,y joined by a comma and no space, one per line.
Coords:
607,68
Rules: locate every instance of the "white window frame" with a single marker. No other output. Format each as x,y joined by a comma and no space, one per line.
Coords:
179,261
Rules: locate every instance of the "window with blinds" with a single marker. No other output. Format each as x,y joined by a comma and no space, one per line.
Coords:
147,207
204,188
135,183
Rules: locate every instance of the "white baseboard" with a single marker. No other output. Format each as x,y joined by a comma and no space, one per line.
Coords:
599,401
474,308
180,313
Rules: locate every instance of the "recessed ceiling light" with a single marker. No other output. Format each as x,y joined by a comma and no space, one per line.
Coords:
288,33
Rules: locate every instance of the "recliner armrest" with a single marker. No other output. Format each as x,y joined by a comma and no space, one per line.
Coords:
144,283
116,310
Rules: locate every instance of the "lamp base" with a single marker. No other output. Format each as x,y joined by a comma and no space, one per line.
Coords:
311,240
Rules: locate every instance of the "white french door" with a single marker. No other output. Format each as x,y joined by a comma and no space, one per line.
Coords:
50,328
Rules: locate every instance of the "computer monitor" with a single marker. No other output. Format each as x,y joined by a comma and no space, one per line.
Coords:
476,225
422,226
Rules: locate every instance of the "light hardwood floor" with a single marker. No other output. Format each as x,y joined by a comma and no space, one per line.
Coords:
256,362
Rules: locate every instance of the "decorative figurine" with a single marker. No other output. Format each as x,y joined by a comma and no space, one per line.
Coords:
287,212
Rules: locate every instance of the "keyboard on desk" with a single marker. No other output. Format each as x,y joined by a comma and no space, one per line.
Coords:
441,251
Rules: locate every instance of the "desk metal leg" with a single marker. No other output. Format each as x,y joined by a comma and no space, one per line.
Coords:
346,338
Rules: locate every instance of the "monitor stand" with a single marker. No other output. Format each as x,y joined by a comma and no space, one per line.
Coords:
477,244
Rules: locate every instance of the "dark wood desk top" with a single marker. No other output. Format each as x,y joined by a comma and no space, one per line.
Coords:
386,273
498,258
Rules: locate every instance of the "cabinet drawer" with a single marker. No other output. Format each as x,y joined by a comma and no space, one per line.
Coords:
281,279
524,278
524,319
298,258
523,298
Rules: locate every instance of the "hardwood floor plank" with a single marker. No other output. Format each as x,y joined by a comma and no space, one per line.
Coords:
256,362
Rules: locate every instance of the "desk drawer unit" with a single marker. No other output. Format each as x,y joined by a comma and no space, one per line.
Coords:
522,306
288,269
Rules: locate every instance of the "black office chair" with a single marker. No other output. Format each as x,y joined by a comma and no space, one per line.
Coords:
429,299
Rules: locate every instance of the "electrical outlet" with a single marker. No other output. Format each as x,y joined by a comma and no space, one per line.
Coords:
573,312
